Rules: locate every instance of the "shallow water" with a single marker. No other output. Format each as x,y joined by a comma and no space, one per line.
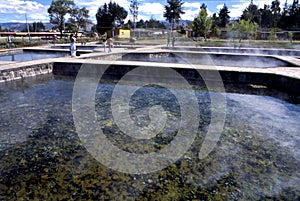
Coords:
256,158
209,59
28,56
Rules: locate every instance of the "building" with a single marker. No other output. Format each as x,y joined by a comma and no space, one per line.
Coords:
122,33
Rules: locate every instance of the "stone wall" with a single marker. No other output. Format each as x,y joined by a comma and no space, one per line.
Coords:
271,81
25,71
116,71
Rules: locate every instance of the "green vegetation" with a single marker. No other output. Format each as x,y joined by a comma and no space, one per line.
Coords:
58,11
109,16
202,24
173,11
243,29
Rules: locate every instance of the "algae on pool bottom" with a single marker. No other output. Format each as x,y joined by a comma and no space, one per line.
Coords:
42,157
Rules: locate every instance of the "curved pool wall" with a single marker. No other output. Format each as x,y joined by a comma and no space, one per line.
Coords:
218,59
230,77
201,58
237,50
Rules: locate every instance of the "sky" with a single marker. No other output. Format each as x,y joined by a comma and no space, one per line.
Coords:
36,10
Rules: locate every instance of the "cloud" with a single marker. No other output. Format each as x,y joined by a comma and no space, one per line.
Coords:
236,10
18,8
152,8
149,10
191,6
190,14
220,6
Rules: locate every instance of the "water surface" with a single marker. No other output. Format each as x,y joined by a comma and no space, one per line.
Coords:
28,56
42,157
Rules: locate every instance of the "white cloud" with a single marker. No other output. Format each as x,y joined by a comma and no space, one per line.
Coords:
18,9
190,14
193,12
191,6
236,10
220,6
152,8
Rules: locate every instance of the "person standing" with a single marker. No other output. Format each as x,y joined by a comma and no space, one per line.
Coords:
104,41
72,45
168,40
110,44
173,41
9,40
54,39
104,44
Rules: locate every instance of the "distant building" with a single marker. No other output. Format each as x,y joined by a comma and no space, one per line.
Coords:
123,33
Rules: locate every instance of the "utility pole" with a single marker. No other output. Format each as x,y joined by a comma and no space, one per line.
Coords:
28,31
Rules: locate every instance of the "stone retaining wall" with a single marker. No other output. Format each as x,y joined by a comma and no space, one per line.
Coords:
279,82
116,71
25,71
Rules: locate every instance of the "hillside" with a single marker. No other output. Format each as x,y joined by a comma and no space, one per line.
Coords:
16,26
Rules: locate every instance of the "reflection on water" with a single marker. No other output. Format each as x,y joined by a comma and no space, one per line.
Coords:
257,157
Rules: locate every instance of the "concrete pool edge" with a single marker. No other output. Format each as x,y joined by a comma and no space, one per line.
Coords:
282,78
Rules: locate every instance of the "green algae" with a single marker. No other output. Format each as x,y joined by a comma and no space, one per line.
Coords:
52,163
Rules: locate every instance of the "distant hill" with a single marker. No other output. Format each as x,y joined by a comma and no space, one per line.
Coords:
16,26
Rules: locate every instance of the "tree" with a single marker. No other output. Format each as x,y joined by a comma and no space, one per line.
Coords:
273,35
173,11
141,24
224,16
275,8
35,27
129,24
290,18
79,17
57,12
201,24
265,17
215,23
110,16
294,12
251,13
243,29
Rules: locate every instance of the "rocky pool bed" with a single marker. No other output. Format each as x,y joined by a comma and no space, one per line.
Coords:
42,157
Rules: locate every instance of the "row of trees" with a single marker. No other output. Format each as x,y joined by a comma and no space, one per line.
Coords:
112,15
35,27
271,17
152,23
